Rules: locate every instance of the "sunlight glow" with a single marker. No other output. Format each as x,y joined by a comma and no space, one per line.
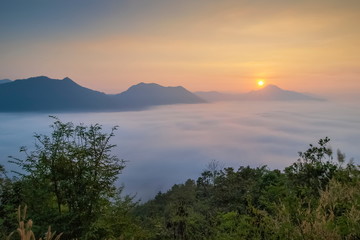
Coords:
260,82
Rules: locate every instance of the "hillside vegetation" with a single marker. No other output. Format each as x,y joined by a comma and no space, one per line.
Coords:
68,182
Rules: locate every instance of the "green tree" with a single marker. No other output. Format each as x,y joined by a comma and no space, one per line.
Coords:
313,170
73,171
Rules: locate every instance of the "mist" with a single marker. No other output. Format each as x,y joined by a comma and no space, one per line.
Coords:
169,144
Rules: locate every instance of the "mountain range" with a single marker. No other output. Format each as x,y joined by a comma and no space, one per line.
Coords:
268,93
44,94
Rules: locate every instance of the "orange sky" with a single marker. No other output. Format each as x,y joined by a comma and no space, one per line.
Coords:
309,46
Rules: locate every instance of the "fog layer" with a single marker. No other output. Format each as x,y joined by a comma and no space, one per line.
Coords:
169,144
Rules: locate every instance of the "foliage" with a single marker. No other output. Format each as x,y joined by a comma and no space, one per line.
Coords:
313,170
69,177
314,198
68,182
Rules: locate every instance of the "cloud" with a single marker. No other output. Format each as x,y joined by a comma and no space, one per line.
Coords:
169,144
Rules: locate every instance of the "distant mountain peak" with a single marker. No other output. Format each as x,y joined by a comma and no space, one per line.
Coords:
272,86
142,87
273,92
67,79
38,78
44,78
147,94
150,87
268,88
143,84
268,93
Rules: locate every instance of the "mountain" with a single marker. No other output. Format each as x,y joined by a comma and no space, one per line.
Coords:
46,94
150,94
272,92
268,93
5,81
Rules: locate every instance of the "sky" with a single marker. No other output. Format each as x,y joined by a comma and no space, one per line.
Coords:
203,45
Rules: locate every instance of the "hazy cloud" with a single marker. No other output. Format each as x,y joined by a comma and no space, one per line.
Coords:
167,145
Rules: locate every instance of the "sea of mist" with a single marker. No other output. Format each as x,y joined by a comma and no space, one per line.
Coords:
169,144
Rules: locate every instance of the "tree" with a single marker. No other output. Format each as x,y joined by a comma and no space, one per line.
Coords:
313,170
74,167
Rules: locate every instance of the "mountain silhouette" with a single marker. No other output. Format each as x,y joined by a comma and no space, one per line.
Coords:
268,93
46,94
5,81
272,92
149,94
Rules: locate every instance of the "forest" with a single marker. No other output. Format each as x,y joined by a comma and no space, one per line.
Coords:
66,183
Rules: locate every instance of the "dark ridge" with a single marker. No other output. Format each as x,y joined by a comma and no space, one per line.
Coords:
43,94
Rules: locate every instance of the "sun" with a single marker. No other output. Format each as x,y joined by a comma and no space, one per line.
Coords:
260,82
